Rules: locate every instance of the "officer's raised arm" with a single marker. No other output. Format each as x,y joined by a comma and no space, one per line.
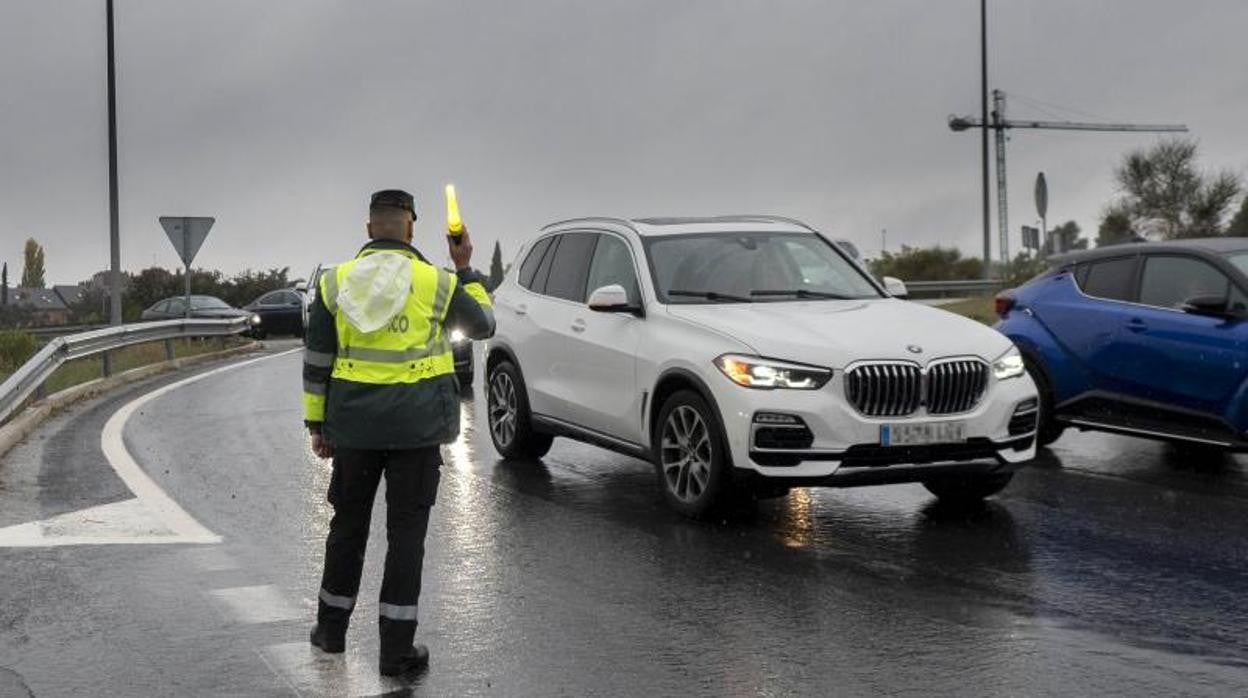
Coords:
471,310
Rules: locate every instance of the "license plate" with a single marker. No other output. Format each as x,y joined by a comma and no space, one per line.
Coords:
921,434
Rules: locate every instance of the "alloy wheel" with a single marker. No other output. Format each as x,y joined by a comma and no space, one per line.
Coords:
502,408
685,454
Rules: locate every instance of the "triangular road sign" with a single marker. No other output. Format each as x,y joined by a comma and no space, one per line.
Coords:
187,234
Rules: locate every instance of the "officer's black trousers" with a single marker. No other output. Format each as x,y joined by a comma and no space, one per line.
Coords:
411,489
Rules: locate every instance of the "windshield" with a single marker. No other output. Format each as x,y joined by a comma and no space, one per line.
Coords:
208,303
752,267
1240,260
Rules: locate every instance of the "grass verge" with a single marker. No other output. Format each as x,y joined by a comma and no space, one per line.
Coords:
982,309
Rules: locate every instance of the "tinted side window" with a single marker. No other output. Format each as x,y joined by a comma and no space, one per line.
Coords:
543,269
571,266
613,264
1111,279
529,269
1169,281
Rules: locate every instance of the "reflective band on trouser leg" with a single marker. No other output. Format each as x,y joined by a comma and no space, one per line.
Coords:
319,359
346,603
393,612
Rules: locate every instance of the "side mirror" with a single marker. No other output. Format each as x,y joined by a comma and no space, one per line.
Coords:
1206,305
895,287
612,299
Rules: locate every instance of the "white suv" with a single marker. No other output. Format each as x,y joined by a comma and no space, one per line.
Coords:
747,355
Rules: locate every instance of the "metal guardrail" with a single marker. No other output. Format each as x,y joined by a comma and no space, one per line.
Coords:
43,334
944,289
30,377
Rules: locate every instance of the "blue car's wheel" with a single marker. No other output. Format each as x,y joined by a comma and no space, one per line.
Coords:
1048,429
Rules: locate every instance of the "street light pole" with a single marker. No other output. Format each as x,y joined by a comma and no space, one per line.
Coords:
114,236
983,132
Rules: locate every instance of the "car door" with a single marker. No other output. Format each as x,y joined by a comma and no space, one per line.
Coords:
553,313
600,349
1178,358
1088,314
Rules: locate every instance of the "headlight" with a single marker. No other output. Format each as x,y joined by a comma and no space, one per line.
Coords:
255,319
1010,365
458,336
755,372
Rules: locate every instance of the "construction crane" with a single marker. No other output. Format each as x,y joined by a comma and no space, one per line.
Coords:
999,124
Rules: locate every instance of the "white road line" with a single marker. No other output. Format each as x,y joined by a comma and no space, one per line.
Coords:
312,672
152,517
256,604
140,483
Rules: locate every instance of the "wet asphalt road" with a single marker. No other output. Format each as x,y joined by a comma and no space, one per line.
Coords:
1113,566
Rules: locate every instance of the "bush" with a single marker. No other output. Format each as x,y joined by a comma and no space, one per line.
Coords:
15,349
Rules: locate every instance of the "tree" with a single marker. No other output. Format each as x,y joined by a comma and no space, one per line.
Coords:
496,266
32,273
1164,191
927,264
1115,228
1239,224
1065,238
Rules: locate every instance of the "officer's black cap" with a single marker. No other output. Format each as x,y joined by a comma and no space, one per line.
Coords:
393,198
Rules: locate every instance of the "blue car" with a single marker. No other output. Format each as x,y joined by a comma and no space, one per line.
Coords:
1146,339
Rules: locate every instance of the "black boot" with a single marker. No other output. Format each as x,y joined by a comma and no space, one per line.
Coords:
416,660
330,639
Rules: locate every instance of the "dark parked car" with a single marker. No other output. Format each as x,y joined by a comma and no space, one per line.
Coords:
201,307
281,312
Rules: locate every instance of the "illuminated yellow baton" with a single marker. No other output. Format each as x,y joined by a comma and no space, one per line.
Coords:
454,224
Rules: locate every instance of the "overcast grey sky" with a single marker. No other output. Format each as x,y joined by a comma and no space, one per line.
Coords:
279,118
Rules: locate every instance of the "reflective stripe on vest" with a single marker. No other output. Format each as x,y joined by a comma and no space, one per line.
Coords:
412,347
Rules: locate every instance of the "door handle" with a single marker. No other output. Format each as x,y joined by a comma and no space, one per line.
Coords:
521,309
578,326
1137,325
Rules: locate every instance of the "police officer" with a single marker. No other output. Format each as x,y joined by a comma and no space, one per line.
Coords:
380,397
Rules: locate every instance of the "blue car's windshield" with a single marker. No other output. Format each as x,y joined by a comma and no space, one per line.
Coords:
742,267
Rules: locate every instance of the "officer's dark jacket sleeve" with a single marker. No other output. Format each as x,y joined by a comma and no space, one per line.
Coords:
320,349
471,311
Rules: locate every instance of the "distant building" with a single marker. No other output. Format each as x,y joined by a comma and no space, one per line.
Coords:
45,306
70,295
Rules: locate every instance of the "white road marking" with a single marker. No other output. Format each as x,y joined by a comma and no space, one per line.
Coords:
257,604
127,521
312,672
151,517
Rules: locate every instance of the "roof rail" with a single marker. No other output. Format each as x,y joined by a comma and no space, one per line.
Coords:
590,219
737,218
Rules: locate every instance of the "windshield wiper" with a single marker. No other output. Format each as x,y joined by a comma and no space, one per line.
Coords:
711,296
802,293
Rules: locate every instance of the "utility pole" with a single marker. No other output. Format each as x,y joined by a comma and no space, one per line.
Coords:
883,241
983,112
1000,124
114,236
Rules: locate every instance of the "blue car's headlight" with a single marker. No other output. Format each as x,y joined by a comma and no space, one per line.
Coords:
458,337
1009,365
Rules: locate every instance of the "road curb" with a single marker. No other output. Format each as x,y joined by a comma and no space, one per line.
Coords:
30,419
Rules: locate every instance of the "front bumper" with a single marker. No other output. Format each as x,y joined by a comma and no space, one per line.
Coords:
843,446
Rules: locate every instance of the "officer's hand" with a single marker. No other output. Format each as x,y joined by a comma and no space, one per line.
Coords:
461,254
321,448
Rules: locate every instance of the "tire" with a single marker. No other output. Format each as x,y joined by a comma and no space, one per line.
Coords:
1047,430
507,409
967,489
690,457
